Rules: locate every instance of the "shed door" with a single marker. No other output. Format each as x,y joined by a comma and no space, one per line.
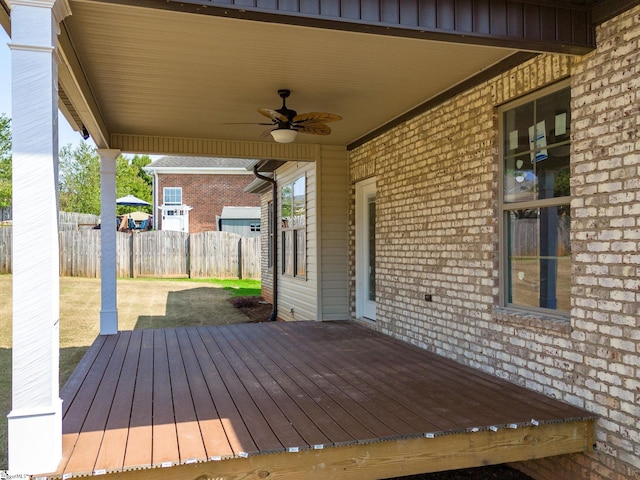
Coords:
366,249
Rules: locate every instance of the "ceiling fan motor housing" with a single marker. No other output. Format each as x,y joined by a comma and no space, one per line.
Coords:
290,114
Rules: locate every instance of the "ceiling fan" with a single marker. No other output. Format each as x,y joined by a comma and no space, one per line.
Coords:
288,123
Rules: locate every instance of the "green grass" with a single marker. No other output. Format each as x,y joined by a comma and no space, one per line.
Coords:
237,288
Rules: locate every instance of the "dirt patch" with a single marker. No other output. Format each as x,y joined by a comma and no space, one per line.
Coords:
256,308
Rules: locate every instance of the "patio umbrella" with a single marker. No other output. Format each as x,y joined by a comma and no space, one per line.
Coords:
139,216
131,201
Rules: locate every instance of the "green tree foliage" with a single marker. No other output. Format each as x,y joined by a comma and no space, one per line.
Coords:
5,161
132,179
79,179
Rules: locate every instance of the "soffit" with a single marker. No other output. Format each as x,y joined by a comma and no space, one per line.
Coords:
174,74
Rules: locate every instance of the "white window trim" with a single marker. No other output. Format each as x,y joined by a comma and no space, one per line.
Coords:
364,190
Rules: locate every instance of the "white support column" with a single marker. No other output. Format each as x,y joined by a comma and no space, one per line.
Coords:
108,260
35,421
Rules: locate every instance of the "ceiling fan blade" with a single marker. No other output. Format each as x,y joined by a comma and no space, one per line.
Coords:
316,117
266,133
272,114
247,123
314,128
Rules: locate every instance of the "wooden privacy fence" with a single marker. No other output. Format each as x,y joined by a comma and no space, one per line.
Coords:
160,254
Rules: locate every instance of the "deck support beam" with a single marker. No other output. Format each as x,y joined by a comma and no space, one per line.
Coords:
393,458
108,258
35,421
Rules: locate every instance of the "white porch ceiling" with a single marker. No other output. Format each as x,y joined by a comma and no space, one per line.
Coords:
172,74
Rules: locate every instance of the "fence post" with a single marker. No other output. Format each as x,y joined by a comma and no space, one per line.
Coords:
240,258
132,263
187,251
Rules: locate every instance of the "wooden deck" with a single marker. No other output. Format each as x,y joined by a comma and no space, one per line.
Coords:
292,400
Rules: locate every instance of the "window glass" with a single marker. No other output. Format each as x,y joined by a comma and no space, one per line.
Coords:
301,252
294,237
299,202
536,149
288,252
520,181
172,195
287,205
539,258
516,129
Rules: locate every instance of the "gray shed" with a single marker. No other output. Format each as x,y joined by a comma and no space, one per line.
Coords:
244,221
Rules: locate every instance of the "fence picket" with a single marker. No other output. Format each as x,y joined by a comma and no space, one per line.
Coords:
161,254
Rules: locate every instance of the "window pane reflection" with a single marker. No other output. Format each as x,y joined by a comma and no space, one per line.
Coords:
539,258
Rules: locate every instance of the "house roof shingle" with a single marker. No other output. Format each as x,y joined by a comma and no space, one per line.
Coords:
200,162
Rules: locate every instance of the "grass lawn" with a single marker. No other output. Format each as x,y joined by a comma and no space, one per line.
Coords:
142,303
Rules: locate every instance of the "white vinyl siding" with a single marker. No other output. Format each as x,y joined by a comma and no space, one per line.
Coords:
323,293
299,293
333,174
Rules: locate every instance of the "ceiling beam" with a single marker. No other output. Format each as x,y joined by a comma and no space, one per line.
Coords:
207,147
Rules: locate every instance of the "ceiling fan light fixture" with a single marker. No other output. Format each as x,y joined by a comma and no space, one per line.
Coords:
284,135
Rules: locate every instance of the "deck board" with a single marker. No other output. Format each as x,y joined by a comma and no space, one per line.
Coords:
114,442
190,442
308,431
291,380
233,424
303,395
139,440
90,438
164,422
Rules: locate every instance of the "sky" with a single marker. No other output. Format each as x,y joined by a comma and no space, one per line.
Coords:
66,134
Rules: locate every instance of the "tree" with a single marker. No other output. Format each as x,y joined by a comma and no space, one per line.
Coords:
79,179
5,161
132,179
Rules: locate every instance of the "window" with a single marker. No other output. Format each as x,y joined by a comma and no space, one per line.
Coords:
270,234
535,198
254,227
294,233
172,195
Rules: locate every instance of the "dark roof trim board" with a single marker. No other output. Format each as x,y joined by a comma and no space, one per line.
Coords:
559,26
604,10
497,69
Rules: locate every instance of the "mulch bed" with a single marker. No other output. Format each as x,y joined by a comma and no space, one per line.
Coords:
258,310
501,472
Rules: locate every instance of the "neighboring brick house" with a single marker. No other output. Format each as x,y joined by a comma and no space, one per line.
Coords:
194,190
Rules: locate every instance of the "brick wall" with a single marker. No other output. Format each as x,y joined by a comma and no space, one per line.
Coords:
207,194
437,232
265,271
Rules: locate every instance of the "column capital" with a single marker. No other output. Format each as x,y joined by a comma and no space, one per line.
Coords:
61,8
106,153
31,23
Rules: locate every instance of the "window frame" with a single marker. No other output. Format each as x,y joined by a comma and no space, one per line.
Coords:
505,207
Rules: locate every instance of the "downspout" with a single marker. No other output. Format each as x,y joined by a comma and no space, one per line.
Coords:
154,211
274,249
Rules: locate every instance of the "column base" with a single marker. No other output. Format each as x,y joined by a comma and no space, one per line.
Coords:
108,322
35,439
